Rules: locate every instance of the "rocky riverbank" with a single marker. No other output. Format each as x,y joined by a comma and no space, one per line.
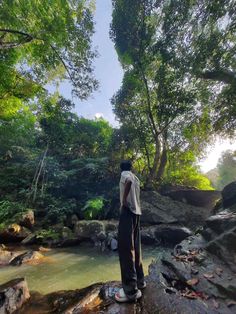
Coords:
197,277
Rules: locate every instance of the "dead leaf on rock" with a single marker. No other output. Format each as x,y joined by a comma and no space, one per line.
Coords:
193,281
190,295
194,252
208,276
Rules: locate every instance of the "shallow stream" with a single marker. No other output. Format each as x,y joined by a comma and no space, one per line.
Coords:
73,268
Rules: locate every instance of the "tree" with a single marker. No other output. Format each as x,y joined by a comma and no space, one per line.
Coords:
159,101
226,168
198,37
45,40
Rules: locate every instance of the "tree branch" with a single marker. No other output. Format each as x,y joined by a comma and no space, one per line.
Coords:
220,75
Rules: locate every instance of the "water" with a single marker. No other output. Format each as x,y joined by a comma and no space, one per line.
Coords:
73,268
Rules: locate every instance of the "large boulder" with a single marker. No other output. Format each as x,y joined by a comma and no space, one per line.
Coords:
27,219
31,257
206,199
14,233
165,235
13,295
101,233
158,209
86,229
229,194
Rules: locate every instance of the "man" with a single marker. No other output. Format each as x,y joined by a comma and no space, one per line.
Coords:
129,245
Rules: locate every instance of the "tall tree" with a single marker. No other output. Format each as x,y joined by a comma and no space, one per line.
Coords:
159,100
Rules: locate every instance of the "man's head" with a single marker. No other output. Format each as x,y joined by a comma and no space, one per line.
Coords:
125,165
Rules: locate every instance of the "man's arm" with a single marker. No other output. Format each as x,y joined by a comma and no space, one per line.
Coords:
126,192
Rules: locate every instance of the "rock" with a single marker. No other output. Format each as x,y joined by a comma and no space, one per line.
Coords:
66,233
6,256
200,198
68,302
229,194
222,222
110,225
159,209
71,221
148,236
27,219
30,239
14,233
224,246
99,298
85,229
98,232
32,257
114,244
13,295
165,235
171,235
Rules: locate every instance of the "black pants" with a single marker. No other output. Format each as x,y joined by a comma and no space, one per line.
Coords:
129,247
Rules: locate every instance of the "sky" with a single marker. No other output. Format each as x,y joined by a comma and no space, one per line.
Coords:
109,73
108,70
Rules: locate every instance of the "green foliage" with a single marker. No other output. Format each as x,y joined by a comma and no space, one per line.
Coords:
10,212
93,208
47,234
48,40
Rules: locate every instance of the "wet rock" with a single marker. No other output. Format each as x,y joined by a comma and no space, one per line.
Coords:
229,194
72,301
165,235
27,257
14,233
159,209
148,236
224,246
6,256
171,235
221,222
27,219
13,295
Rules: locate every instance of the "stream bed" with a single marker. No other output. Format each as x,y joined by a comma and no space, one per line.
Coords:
74,268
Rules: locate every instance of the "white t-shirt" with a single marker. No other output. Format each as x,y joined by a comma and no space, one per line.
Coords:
133,198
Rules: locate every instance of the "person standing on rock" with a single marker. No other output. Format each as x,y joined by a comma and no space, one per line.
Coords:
129,244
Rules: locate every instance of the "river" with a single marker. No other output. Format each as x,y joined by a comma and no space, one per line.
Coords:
73,268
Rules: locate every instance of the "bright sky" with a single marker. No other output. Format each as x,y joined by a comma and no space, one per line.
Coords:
109,74
214,153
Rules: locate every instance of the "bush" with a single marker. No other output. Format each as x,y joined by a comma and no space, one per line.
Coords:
10,212
93,208
59,210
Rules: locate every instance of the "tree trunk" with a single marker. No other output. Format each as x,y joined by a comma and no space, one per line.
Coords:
153,171
162,164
